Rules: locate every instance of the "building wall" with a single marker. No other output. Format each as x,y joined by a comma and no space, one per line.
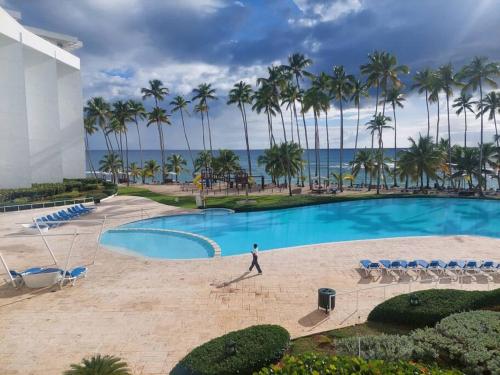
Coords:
41,120
15,167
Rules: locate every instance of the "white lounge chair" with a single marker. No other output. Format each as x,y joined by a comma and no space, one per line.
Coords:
43,278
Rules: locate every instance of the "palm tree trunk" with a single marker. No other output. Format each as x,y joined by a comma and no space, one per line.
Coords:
437,125
379,162
291,124
481,141
341,157
305,135
186,137
283,123
126,157
139,137
357,133
449,138
245,127
317,149
395,144
209,135
327,147
203,131
465,132
300,146
162,150
428,114
88,155
496,129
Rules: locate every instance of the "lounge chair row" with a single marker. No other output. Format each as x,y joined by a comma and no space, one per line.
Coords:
39,277
57,218
401,267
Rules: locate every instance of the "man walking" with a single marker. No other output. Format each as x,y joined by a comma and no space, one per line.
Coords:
255,260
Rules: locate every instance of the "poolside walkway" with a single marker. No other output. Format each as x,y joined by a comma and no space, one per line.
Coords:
152,312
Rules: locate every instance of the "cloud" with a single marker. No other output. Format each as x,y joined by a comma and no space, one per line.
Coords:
315,11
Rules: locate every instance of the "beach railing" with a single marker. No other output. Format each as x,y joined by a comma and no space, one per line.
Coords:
30,206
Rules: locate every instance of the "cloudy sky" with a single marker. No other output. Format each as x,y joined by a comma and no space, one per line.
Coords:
187,42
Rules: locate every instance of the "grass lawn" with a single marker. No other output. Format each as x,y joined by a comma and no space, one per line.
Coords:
324,342
255,202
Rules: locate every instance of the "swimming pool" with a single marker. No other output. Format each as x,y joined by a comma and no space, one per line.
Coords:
353,220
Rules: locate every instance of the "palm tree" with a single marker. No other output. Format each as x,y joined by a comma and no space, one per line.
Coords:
463,104
389,70
271,160
341,88
466,161
448,80
176,164
157,91
359,90
362,160
395,98
264,101
201,109
159,116
407,169
135,171
203,160
97,110
290,96
90,128
120,116
323,83
425,157
291,159
111,163
203,93
225,163
490,104
180,105
137,111
423,84
478,73
436,87
377,125
151,168
241,94
297,64
312,100
99,365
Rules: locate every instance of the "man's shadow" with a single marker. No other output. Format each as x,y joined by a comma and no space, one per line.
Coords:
244,276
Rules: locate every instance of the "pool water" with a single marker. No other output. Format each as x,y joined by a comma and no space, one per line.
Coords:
355,220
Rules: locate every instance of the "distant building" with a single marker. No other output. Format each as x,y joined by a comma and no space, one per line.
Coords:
41,120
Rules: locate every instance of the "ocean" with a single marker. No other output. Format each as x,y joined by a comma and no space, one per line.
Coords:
186,175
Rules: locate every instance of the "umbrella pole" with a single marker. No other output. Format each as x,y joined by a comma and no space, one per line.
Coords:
8,271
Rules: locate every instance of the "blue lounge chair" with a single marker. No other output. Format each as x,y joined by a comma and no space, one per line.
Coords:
399,266
437,265
82,211
418,265
74,274
72,210
57,217
368,266
472,266
456,265
85,207
66,215
18,276
489,266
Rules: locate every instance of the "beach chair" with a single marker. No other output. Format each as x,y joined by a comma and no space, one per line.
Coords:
75,274
418,265
56,217
399,266
438,266
386,266
368,267
82,211
18,276
66,215
489,266
472,266
456,266
85,207
74,211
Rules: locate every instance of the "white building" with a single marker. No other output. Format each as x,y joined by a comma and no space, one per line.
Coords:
41,120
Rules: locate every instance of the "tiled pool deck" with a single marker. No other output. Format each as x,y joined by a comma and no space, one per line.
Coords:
152,312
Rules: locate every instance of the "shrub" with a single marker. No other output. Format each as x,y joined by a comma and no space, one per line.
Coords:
386,347
323,364
109,192
470,340
88,187
256,347
99,365
434,305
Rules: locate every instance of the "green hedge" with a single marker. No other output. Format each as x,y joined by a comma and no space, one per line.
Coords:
256,347
386,347
434,305
470,341
312,363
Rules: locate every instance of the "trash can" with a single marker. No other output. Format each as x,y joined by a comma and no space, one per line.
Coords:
326,299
